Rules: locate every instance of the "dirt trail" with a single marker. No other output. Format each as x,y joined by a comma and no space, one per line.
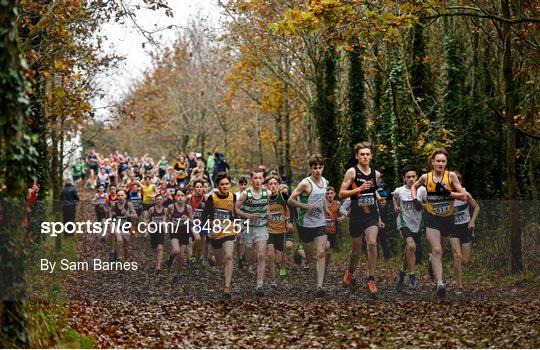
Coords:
142,309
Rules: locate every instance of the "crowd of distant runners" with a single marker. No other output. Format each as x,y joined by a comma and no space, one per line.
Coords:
255,227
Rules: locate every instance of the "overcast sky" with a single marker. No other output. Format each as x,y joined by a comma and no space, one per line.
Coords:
125,40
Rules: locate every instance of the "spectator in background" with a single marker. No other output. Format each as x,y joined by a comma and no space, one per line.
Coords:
210,166
70,197
220,164
192,161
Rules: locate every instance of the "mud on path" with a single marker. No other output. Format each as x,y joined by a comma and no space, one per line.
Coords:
144,309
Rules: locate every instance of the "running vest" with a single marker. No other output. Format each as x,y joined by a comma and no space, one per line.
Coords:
363,203
117,214
257,207
176,217
462,215
101,200
331,222
278,215
223,216
148,193
198,206
102,179
157,217
439,204
315,218
112,200
136,199
172,187
181,168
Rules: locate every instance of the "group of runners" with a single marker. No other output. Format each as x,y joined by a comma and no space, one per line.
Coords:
214,226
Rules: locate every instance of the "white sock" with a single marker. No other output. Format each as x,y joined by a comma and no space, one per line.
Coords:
439,283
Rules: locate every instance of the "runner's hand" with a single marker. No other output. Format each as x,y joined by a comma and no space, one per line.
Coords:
439,188
397,210
380,224
472,226
417,205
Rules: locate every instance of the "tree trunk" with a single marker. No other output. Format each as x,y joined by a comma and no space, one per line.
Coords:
12,134
325,114
357,107
259,139
509,108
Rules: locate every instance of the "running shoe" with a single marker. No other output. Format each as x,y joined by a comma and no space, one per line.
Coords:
441,291
349,279
372,285
273,284
227,293
175,279
320,293
112,256
306,267
259,292
282,272
193,264
412,282
460,291
401,280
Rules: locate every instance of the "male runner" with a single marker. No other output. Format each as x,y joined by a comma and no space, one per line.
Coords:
122,211
408,223
253,205
463,233
277,227
360,184
156,214
311,220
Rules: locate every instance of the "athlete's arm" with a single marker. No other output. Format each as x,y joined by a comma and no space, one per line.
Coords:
132,213
420,182
292,201
237,206
148,214
395,201
476,211
460,193
344,191
208,210
190,212
94,200
168,214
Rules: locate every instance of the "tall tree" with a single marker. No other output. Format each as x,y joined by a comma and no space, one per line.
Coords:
17,157
357,118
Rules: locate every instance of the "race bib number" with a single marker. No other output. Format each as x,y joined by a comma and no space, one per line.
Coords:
366,200
329,223
317,212
441,208
276,216
157,219
197,213
221,214
407,205
261,220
